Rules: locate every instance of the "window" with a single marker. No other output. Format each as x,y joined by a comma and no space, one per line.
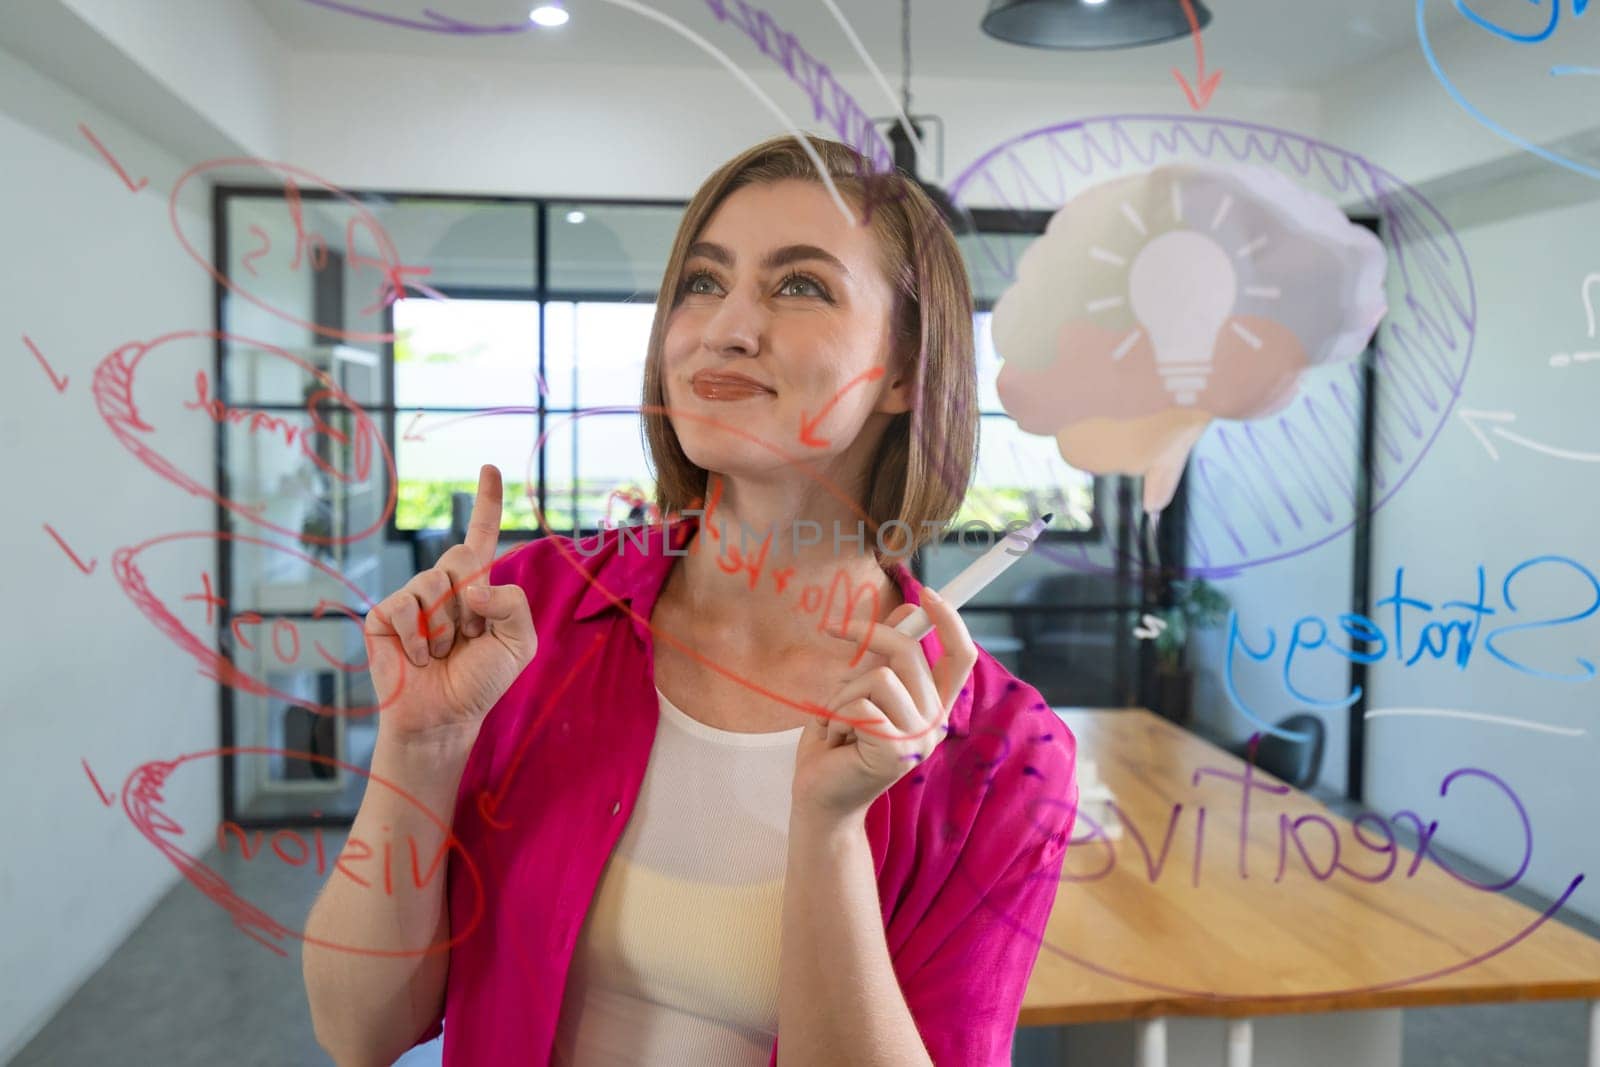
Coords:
525,377
1019,475
520,340
456,331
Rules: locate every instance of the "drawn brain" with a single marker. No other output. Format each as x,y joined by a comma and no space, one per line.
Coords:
1156,302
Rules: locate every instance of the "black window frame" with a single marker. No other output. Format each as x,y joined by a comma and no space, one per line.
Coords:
386,414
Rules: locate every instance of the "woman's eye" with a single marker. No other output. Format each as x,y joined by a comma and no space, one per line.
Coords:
694,283
815,287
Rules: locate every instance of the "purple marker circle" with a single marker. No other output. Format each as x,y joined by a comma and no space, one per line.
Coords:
1156,867
1275,487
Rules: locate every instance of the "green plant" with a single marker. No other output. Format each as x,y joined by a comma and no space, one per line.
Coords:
1196,605
315,533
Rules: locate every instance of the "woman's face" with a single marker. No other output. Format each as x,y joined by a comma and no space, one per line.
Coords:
782,333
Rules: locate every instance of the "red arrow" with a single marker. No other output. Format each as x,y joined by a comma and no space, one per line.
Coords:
106,800
133,186
488,801
1198,98
87,570
61,382
807,425
413,434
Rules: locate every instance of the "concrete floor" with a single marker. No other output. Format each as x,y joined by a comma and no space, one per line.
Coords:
187,988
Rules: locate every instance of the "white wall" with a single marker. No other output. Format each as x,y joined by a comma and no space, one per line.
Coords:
218,56
86,677
1397,112
1463,509
89,266
1523,223
497,127
521,129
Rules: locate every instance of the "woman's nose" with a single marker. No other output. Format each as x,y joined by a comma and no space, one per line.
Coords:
736,328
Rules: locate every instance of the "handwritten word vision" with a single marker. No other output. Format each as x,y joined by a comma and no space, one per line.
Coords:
291,849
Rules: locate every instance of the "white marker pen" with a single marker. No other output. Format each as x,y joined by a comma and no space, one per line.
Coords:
970,582
985,569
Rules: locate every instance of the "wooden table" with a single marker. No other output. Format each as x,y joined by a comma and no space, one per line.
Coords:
1140,939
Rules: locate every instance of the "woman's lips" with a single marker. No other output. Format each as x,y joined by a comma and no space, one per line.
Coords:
726,387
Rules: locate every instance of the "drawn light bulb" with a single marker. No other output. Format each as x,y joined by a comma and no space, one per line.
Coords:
1182,288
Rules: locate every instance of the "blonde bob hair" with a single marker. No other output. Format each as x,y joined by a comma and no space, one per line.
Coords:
922,467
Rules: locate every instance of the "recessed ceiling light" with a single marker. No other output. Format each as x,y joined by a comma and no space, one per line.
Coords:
549,15
576,217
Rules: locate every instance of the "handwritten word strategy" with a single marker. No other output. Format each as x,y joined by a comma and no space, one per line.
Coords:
1413,633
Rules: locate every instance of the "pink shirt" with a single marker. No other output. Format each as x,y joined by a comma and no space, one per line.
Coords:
968,846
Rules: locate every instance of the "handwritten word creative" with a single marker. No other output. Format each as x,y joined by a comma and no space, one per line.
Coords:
1369,854
1408,629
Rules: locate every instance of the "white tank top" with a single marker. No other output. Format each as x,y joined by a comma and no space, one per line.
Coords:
677,961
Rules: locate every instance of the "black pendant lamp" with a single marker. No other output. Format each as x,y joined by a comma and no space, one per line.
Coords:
905,153
905,160
1088,24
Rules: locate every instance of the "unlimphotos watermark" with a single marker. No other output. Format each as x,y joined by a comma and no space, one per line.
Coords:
806,533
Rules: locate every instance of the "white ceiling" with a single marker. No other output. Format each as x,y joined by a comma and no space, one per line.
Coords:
1288,43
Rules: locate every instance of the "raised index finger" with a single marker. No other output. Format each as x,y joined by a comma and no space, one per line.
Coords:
483,529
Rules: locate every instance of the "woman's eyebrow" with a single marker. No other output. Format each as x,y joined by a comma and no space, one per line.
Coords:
778,257
782,257
715,253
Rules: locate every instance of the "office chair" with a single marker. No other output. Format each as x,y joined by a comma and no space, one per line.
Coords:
1069,656
428,545
1295,762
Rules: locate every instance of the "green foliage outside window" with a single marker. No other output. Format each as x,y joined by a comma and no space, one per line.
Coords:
421,505
405,350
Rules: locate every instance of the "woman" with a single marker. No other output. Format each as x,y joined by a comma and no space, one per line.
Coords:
704,810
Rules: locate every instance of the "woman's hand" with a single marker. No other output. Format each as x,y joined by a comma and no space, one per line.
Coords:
445,647
886,720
